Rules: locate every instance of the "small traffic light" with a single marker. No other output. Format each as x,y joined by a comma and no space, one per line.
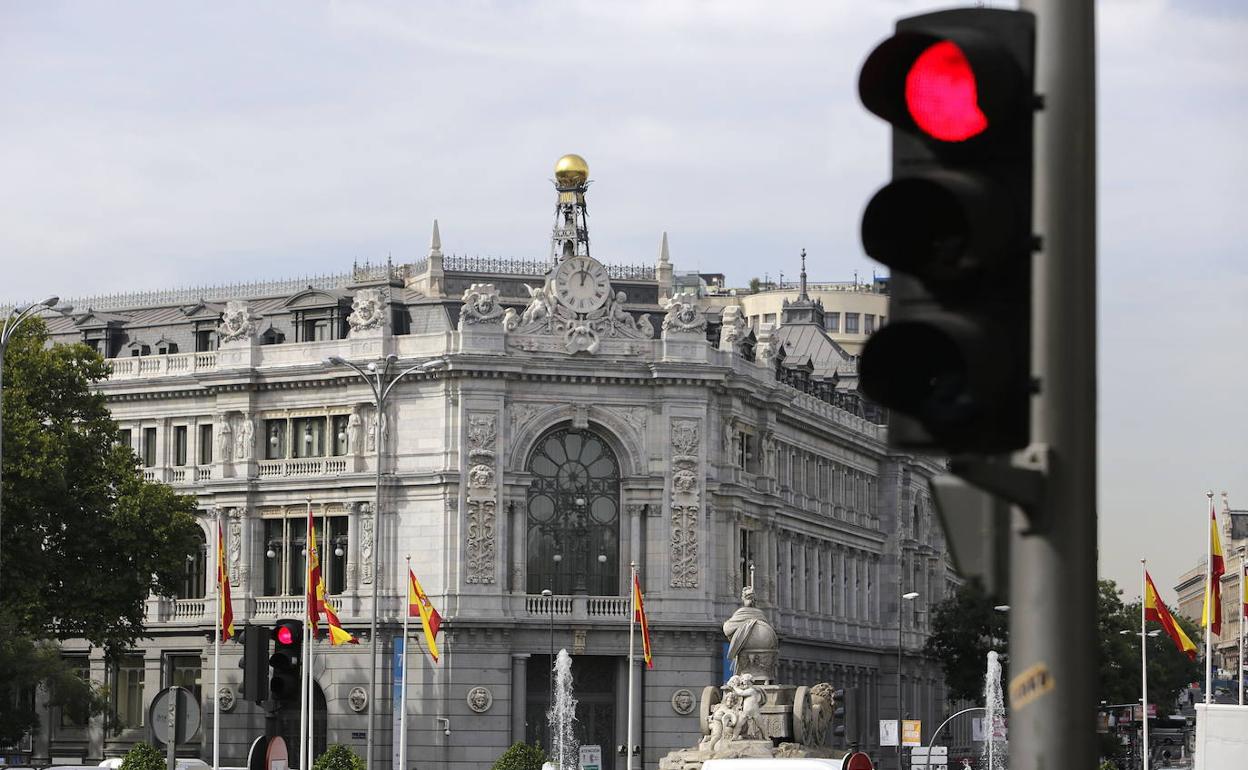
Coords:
838,715
255,663
285,661
954,225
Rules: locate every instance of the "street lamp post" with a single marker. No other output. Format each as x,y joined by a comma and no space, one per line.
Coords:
901,712
12,320
377,375
550,693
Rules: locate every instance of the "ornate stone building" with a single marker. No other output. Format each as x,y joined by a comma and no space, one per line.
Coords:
584,415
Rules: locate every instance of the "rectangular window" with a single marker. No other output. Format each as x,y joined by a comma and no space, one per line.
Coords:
769,319
128,693
183,670
851,323
123,438
832,322
747,556
285,538
167,349
275,439
80,666
309,437
194,582
179,445
205,340
205,444
868,323
340,437
149,447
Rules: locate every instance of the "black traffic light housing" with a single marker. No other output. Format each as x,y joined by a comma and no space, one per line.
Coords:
838,715
953,365
255,663
284,684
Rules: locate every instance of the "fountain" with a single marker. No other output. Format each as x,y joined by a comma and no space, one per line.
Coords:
995,749
752,715
564,754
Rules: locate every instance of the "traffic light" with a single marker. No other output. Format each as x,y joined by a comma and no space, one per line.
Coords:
255,663
838,716
285,662
954,226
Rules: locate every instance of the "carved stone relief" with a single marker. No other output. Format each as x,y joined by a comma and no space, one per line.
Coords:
237,322
366,543
686,503
235,545
480,305
368,311
482,498
683,315
569,331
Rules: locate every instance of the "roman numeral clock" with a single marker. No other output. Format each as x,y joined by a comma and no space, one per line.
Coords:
581,284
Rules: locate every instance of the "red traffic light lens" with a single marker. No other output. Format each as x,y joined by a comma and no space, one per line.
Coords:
942,95
284,635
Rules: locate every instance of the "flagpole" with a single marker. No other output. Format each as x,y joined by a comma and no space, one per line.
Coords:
1209,606
216,663
407,612
1144,655
632,624
306,668
312,639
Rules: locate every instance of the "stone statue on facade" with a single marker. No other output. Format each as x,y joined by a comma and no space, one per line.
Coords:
353,432
245,438
225,438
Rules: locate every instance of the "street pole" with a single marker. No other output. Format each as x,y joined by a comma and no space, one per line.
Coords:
381,383
12,320
550,698
1053,545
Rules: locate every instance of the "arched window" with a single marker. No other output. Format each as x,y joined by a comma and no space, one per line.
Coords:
573,515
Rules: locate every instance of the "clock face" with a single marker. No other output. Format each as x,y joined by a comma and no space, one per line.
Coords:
581,284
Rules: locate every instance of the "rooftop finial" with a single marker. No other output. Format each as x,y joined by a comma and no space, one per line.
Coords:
663,255
801,295
435,242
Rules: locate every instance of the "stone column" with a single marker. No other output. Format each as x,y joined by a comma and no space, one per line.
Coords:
635,545
519,694
518,510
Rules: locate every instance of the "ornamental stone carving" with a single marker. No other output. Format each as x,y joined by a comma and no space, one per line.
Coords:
245,441
235,547
366,543
369,311
225,698
237,322
683,315
480,699
482,499
225,438
357,699
480,305
733,331
571,331
686,503
683,702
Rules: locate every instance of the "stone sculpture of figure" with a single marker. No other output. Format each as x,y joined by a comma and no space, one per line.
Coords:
753,646
246,438
225,438
750,721
353,432
723,722
539,305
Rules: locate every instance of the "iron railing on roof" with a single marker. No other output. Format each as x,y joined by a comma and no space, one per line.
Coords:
221,293
512,266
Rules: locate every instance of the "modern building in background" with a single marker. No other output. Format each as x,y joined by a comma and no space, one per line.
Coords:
587,414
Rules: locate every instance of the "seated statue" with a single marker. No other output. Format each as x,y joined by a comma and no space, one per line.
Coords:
753,646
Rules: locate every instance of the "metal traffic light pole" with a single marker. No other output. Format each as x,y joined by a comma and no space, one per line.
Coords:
1053,547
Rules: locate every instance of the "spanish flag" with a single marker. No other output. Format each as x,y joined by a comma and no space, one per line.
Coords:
317,601
226,620
1243,589
1217,568
1155,609
639,615
418,604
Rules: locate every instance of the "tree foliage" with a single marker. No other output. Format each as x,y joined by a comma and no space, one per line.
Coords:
84,539
964,628
521,756
965,625
338,757
143,756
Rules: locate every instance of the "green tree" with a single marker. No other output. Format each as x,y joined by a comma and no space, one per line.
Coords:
964,628
521,756
754,285
85,539
143,756
338,757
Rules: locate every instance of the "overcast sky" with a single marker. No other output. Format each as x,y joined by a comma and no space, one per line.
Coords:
148,145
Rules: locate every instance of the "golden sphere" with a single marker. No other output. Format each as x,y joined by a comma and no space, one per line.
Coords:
571,171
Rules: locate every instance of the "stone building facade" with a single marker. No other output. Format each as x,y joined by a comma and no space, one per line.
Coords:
584,415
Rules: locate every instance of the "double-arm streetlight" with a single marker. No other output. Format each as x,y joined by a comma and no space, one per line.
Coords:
12,320
377,375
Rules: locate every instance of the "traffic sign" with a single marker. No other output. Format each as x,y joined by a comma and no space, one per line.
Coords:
178,724
591,757
888,732
857,761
